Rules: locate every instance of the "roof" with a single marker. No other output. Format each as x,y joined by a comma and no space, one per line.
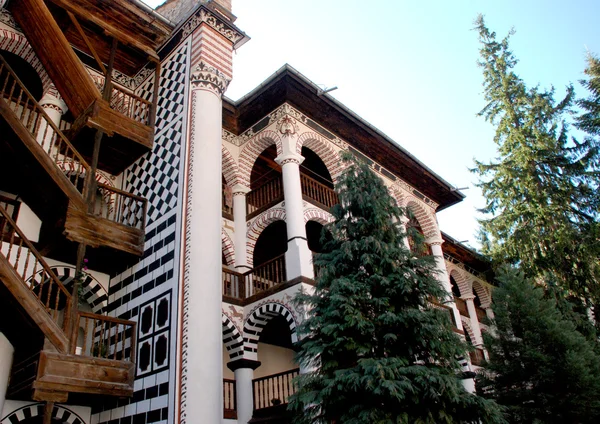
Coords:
287,85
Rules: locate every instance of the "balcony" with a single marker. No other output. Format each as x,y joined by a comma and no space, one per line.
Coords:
263,279
229,400
461,305
434,303
271,394
477,356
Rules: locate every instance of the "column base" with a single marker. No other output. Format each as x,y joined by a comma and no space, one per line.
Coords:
298,259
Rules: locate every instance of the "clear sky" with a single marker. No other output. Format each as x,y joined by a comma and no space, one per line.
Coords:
409,68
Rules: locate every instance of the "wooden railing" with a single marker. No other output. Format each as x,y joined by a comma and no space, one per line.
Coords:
461,305
131,105
266,195
320,193
11,206
274,390
120,206
481,315
40,126
106,337
477,356
263,277
229,404
26,261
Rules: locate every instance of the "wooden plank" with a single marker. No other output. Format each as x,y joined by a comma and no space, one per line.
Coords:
32,306
95,231
54,51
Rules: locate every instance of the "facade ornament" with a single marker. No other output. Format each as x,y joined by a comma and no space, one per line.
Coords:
467,297
434,241
240,190
287,126
289,158
209,78
205,16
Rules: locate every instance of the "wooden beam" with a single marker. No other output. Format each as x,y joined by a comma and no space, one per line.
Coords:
87,42
48,408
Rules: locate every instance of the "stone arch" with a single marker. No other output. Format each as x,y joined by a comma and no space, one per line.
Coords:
258,319
398,195
468,330
484,295
319,215
92,293
230,167
59,413
69,166
16,43
232,339
252,151
461,280
425,219
227,247
256,227
321,147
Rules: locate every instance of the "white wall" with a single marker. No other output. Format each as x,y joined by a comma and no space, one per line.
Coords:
274,359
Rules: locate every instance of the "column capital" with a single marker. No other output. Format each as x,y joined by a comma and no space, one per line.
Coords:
240,190
206,77
243,363
434,241
485,305
289,158
49,101
468,297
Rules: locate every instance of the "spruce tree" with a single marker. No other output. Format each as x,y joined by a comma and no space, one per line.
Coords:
378,352
589,120
540,368
541,190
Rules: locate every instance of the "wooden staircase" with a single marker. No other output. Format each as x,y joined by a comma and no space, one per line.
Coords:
125,120
115,219
89,353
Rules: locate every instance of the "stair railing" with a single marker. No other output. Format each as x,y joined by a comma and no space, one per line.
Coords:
26,261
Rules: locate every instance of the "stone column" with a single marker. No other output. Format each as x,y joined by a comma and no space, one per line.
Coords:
239,222
488,310
298,258
6,359
202,371
403,222
55,108
244,374
474,320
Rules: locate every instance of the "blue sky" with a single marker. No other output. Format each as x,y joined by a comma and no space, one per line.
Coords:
409,68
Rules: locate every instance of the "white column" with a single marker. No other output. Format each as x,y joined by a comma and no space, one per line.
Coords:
243,370
474,320
239,223
6,359
298,258
488,310
202,379
55,108
403,222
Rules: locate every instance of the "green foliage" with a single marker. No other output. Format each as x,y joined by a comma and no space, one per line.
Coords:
541,369
589,120
379,353
541,191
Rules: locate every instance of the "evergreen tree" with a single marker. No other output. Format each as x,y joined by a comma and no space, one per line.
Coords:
589,120
540,368
541,190
379,353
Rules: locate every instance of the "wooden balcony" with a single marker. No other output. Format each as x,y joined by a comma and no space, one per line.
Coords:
481,314
271,394
229,400
264,278
461,306
434,303
477,356
317,193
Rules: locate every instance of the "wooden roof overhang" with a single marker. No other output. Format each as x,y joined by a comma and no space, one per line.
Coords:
139,30
289,86
467,256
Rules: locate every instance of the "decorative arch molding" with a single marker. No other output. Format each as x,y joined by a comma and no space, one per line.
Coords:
484,295
259,318
319,215
321,147
467,327
69,166
398,195
16,43
230,167
256,227
461,280
227,247
252,151
92,291
424,218
232,339
59,413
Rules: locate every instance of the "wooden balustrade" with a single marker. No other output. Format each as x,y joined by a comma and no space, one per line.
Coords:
11,206
264,196
461,305
120,206
229,402
106,337
481,315
477,356
40,126
321,194
131,105
27,262
256,280
274,390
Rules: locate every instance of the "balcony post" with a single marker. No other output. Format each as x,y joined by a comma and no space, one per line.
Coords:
298,258
243,370
474,319
201,372
239,223
6,359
